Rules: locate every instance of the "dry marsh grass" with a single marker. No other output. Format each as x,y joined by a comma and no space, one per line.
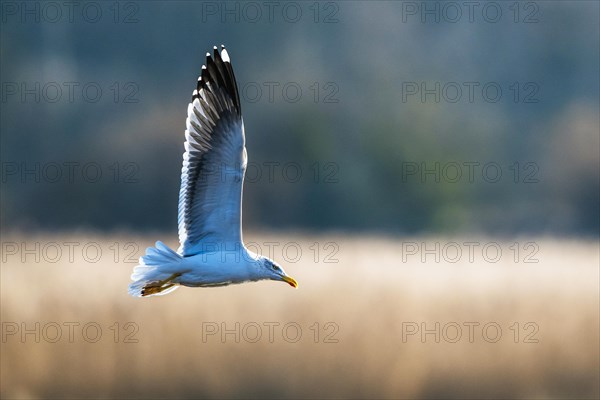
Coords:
371,297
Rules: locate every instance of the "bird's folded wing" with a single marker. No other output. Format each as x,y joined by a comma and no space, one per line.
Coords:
214,161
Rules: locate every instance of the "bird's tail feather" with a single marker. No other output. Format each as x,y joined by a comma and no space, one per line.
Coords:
154,274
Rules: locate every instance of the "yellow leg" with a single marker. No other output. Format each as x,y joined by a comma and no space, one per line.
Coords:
159,286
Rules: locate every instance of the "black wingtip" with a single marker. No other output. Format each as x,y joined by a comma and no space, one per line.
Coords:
218,72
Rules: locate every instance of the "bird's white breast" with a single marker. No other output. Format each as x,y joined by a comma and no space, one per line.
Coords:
218,264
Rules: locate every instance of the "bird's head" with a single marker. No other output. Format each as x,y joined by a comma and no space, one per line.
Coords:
273,271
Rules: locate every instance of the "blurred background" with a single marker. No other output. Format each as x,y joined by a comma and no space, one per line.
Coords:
375,131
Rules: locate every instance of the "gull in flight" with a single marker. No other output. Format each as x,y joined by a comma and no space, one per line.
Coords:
211,251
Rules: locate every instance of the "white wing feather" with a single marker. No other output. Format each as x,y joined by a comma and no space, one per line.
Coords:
214,162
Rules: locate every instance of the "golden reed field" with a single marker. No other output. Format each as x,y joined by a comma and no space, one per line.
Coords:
373,317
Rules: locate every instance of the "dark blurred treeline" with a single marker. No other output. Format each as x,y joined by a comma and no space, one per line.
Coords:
358,115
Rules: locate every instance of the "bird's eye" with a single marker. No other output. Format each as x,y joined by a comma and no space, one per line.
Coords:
276,268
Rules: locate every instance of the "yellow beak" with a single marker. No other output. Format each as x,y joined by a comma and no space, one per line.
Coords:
291,281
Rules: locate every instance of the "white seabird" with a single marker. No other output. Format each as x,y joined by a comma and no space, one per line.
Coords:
211,251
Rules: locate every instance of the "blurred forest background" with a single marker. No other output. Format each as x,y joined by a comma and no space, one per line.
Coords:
355,132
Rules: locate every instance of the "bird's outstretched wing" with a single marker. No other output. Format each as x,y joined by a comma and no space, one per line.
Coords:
214,162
